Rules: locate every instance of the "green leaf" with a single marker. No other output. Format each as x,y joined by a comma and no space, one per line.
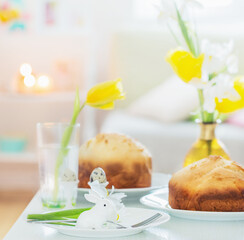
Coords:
58,215
185,33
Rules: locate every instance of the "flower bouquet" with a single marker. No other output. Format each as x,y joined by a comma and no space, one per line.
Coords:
63,180
209,67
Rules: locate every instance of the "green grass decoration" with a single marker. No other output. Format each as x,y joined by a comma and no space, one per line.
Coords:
59,215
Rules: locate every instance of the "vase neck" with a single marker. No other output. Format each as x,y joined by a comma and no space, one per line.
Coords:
207,131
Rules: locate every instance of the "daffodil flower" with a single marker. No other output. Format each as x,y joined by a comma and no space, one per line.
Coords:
218,59
226,105
221,87
104,94
185,65
167,9
208,67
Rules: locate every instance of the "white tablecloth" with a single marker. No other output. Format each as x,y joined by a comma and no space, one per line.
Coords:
175,229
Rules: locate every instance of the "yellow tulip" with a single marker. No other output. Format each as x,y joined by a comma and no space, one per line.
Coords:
228,106
185,65
100,96
104,94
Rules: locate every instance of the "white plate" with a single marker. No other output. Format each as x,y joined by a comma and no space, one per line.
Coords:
133,216
159,180
159,200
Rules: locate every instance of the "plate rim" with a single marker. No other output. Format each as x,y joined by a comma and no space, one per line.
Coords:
190,214
165,218
203,212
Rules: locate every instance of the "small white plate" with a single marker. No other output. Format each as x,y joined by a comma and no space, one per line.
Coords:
159,200
159,180
133,216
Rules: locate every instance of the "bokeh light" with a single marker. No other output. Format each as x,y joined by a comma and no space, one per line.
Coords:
29,81
25,69
43,81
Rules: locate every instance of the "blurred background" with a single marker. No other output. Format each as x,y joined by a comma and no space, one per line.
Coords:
62,44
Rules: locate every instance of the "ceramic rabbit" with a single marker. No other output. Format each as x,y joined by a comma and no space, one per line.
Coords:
99,214
107,207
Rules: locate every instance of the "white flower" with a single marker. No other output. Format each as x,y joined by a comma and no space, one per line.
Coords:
185,5
167,8
218,50
220,87
107,207
216,81
218,58
232,64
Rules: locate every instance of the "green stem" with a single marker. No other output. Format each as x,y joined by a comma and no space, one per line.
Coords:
205,116
209,144
64,150
209,117
215,74
201,102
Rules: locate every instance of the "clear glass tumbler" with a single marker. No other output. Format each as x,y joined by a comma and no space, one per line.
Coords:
58,175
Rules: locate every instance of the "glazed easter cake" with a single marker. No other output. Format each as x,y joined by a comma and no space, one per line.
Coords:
127,163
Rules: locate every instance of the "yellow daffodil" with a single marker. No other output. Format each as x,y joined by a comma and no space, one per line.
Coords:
228,106
104,94
100,96
185,65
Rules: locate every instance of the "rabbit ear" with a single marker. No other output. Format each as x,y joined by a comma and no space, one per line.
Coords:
91,198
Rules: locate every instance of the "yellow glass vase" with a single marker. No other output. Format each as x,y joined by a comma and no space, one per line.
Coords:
206,145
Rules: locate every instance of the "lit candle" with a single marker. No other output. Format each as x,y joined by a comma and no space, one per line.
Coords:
29,83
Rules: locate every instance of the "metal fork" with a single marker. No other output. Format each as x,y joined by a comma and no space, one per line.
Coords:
140,224
68,222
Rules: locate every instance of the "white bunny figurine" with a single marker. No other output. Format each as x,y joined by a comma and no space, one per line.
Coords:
107,207
98,215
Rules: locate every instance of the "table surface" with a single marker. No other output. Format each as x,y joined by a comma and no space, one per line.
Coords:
175,228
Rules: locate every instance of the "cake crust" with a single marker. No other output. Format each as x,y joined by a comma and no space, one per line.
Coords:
211,184
126,162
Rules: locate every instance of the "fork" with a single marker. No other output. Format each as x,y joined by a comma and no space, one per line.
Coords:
67,222
140,224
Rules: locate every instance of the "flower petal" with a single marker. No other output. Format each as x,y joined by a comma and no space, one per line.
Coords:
107,106
185,65
104,94
226,105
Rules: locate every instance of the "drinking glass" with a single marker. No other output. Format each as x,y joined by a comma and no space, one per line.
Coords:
58,179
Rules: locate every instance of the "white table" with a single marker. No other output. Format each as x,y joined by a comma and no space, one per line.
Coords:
175,229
